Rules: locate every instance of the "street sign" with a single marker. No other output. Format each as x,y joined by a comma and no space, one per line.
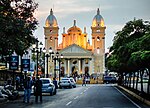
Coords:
13,63
26,64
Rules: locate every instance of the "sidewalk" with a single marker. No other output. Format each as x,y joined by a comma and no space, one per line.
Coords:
135,95
21,94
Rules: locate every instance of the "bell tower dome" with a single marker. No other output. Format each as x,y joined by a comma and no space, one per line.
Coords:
51,32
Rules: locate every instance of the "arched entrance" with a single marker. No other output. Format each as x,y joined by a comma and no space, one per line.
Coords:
86,70
74,71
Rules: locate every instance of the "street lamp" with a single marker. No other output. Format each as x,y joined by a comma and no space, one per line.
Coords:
58,58
37,48
48,55
55,58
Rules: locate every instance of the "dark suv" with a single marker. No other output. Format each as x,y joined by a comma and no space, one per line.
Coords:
109,79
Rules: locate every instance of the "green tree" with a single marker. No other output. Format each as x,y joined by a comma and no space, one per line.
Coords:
17,25
131,49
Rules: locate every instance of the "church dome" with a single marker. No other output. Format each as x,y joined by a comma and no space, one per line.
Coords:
51,20
98,20
74,29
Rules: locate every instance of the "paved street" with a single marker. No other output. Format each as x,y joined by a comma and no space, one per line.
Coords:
90,96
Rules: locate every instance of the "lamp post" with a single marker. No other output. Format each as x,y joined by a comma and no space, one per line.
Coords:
37,48
48,55
58,58
55,58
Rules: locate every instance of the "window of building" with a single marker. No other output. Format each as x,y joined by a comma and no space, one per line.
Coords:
98,38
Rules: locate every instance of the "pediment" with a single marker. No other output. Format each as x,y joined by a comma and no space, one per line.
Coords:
75,49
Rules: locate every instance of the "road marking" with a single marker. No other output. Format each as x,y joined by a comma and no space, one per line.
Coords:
128,98
68,103
76,97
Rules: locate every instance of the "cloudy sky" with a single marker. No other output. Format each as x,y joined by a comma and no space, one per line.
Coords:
115,13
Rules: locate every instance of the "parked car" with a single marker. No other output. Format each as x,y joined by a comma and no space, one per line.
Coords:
109,79
48,86
67,82
73,82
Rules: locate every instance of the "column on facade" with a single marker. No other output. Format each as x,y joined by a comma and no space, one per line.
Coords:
93,43
79,66
68,67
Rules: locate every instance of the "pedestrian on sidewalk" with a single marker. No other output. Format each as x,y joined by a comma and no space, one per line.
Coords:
38,89
27,89
83,80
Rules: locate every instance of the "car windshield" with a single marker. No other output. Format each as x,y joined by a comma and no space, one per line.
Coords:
45,81
65,79
108,77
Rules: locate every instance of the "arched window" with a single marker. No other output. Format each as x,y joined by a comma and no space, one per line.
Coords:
98,38
98,50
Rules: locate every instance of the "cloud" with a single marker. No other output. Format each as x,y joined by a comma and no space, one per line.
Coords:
116,14
64,8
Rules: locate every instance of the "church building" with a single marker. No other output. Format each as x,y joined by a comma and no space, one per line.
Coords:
79,56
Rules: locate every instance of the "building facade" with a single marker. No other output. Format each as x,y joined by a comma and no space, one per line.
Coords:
79,56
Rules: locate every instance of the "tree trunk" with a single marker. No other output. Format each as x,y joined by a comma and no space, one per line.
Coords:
133,79
141,76
148,86
130,75
126,80
137,79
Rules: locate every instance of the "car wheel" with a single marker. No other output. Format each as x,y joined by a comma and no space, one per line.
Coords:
60,87
51,93
71,86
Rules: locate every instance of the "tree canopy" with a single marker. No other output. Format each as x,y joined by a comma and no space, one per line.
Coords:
131,48
17,25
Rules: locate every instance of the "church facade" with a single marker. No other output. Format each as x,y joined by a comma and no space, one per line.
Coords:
79,56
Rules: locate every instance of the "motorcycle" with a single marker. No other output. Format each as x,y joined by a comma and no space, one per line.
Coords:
10,92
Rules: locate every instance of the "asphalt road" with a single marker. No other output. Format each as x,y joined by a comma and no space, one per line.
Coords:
90,96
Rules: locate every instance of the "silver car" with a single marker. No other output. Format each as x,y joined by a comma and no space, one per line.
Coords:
67,82
48,86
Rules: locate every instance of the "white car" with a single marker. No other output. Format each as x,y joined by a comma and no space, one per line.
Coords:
67,82
48,86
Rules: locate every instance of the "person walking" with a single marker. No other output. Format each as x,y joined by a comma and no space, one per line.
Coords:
83,80
17,82
38,89
27,89
55,83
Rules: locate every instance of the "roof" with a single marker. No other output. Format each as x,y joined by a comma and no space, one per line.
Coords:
51,20
98,20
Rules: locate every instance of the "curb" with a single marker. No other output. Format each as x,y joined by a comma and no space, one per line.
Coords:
136,96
